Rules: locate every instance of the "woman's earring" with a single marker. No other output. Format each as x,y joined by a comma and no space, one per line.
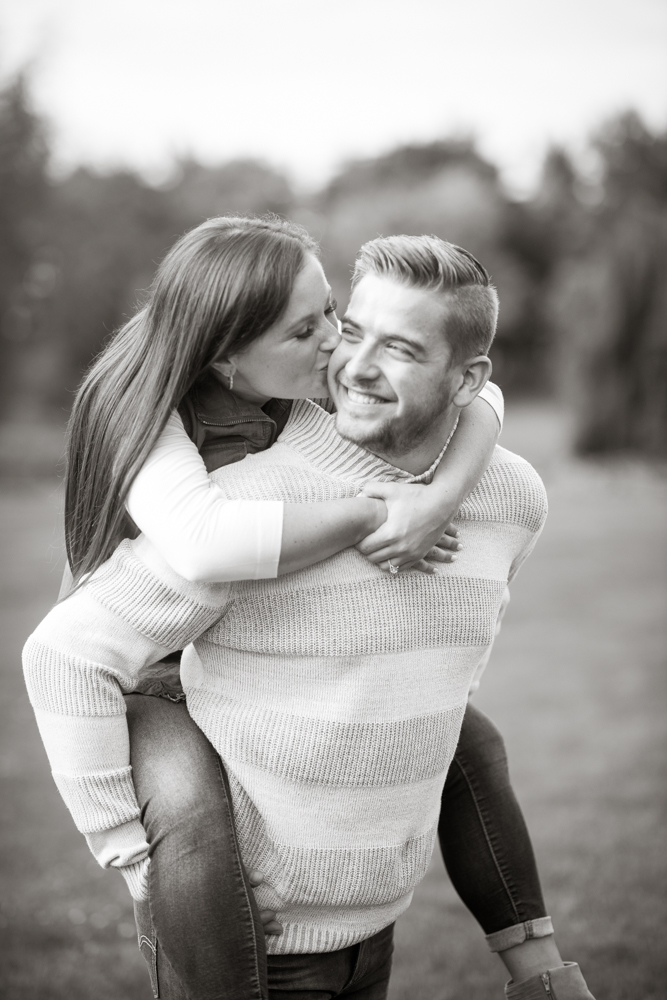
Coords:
219,367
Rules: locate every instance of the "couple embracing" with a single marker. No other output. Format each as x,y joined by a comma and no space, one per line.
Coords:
317,515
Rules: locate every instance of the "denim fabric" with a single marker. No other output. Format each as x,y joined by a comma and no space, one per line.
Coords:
510,937
164,981
361,971
483,836
200,926
162,679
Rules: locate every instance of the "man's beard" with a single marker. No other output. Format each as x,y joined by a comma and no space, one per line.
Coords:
397,436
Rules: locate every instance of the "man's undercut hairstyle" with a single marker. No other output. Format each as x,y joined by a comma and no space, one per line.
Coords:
435,265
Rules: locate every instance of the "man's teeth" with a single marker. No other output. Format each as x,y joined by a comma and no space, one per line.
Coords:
361,397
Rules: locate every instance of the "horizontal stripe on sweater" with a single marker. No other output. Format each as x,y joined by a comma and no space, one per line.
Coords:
177,616
99,801
489,500
69,685
322,752
363,872
383,687
307,930
337,620
85,744
336,817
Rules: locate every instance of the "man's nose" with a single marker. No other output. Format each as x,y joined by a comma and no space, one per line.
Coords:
362,365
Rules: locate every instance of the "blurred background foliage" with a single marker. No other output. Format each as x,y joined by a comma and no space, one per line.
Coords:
579,266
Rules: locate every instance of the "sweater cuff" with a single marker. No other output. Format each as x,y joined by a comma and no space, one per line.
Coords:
121,846
136,877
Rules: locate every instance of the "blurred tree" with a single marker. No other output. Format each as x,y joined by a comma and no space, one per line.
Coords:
538,234
24,194
240,187
109,232
610,299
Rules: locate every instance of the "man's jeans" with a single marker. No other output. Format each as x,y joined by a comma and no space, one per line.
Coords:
361,971
200,930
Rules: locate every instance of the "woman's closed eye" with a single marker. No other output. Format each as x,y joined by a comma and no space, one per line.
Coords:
305,334
310,330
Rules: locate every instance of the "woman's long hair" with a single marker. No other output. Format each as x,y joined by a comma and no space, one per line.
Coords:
220,287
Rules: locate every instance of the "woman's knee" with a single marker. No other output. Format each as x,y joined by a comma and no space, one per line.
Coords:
481,746
176,771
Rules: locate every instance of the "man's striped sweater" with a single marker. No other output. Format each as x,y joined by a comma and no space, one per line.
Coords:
334,695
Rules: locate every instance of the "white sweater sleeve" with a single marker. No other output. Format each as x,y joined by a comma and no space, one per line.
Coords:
203,536
78,663
494,397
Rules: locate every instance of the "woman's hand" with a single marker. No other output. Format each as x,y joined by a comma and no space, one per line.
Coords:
418,524
418,527
268,917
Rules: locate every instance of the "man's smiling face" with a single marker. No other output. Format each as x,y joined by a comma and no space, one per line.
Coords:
392,376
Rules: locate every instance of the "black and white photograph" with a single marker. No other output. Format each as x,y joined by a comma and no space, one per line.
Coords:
333,500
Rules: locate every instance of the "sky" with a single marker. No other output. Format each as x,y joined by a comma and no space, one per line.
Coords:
307,85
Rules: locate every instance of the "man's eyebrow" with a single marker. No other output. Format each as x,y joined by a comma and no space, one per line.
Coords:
414,344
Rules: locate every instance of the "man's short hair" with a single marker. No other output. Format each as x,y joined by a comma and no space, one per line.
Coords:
433,264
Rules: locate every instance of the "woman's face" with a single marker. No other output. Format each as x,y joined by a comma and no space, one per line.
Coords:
290,360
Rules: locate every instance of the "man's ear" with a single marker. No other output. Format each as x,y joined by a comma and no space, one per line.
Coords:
475,373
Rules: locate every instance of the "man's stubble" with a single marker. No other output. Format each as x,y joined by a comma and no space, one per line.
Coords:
398,436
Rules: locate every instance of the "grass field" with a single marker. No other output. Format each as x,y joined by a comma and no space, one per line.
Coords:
576,684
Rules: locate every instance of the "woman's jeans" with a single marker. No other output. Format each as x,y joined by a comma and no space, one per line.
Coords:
200,930
201,908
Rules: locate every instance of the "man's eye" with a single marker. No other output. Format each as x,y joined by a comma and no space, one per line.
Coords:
349,334
331,308
401,349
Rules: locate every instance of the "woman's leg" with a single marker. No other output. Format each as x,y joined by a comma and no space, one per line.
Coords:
489,855
201,910
483,835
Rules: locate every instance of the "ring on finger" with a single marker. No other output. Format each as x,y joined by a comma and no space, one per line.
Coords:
393,569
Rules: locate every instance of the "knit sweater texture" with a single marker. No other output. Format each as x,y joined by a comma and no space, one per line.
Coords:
334,695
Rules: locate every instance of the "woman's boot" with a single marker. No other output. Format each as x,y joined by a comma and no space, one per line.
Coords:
564,983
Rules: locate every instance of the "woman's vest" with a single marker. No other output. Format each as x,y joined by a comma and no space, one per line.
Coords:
225,427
